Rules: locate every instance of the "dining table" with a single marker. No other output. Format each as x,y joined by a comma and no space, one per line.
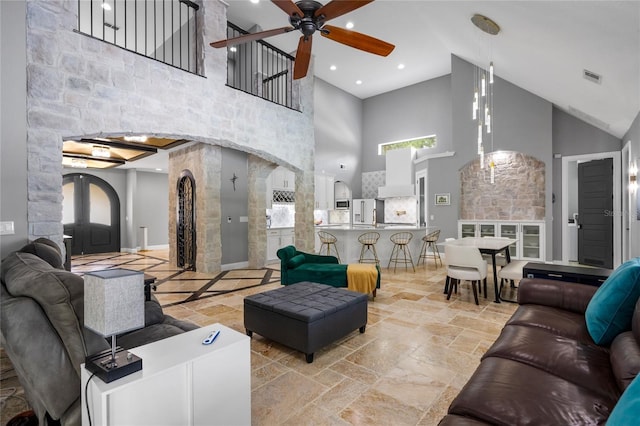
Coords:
487,245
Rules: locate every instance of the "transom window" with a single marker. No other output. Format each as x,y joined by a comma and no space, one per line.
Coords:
418,143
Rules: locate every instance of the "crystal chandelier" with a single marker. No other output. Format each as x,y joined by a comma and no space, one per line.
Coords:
482,106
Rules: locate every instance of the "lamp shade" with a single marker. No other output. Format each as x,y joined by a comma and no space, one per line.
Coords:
113,301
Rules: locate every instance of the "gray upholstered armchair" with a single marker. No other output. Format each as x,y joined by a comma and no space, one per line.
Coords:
42,317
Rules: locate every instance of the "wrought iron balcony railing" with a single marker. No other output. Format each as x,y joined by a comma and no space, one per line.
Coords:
165,30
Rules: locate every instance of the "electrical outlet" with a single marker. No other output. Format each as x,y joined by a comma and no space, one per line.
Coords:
7,228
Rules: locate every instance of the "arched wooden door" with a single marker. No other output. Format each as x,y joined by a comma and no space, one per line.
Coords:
90,214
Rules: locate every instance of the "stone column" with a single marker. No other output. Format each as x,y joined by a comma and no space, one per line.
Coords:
204,162
259,172
305,195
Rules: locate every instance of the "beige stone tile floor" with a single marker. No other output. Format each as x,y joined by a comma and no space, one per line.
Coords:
416,354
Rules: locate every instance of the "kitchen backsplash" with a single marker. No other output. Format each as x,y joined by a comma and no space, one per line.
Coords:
371,181
282,215
400,210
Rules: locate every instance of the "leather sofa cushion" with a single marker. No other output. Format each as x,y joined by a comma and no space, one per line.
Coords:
612,306
585,365
507,392
556,321
60,294
625,358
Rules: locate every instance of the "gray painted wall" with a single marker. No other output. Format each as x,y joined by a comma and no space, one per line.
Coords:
633,138
13,124
234,235
572,136
338,130
418,110
152,207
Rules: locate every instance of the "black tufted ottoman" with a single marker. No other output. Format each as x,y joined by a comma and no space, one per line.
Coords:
305,316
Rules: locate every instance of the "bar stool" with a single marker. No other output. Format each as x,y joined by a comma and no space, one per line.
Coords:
429,241
400,242
368,241
328,240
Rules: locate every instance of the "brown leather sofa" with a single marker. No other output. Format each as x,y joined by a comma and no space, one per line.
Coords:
544,368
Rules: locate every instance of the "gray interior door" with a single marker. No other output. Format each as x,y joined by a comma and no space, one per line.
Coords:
91,214
595,213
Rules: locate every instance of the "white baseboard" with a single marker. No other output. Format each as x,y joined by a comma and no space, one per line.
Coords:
137,249
237,265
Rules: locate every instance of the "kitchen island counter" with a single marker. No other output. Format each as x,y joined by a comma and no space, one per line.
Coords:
349,247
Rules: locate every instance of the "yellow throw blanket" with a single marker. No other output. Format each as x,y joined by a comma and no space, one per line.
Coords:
362,277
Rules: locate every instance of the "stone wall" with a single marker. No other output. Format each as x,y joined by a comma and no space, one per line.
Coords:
517,194
78,86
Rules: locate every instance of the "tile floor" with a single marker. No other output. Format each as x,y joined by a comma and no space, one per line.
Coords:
417,352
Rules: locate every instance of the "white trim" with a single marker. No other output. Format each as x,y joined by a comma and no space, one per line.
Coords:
432,156
626,195
232,266
617,201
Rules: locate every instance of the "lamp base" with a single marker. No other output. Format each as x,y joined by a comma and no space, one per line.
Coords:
109,370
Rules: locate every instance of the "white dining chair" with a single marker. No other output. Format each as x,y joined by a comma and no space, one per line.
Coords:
465,263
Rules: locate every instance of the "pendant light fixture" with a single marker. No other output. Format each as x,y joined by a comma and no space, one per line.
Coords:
482,106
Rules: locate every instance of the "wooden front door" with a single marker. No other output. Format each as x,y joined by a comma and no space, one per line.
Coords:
90,214
595,213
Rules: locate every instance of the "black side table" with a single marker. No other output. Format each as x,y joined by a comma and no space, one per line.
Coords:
571,273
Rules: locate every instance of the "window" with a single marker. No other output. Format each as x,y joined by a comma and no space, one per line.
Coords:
418,143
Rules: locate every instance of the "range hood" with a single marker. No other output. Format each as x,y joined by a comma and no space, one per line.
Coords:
399,174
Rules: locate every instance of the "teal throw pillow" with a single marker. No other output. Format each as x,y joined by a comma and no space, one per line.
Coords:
626,410
296,261
611,309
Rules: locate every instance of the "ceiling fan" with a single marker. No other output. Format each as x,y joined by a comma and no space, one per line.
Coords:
309,16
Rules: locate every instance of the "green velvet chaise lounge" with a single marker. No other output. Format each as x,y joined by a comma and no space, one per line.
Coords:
297,266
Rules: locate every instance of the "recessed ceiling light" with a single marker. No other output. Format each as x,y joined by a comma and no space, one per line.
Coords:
106,6
358,82
158,169
332,67
349,25
400,66
141,138
255,1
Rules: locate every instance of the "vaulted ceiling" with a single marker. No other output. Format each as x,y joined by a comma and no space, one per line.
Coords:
543,47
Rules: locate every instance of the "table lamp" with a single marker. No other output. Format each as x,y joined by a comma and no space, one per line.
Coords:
113,304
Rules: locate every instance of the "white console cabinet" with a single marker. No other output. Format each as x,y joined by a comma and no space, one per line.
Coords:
278,238
529,242
182,382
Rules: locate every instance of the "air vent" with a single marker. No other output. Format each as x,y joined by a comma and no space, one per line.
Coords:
592,76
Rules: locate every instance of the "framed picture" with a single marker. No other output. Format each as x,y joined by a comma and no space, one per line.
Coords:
443,199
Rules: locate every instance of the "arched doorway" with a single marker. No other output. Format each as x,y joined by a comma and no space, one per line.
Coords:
186,222
90,214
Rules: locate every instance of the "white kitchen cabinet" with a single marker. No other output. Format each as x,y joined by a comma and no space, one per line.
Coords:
529,241
324,193
341,190
269,193
278,238
283,179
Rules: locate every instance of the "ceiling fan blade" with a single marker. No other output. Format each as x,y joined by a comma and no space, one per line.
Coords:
251,37
357,40
289,7
303,57
336,8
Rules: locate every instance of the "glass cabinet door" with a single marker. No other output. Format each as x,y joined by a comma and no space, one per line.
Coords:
487,229
510,231
467,230
531,240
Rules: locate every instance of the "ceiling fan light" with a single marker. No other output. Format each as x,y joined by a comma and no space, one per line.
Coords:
358,82
100,151
400,66
333,68
349,25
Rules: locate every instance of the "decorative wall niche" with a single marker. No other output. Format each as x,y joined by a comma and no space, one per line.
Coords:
517,194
